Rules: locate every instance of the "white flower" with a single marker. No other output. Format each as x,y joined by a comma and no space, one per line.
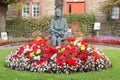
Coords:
54,56
79,44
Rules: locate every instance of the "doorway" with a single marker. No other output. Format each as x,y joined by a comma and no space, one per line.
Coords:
75,7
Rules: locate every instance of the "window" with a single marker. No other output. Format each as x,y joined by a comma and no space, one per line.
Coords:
35,9
26,10
115,13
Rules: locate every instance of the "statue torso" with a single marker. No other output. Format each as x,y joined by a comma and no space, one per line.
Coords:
59,24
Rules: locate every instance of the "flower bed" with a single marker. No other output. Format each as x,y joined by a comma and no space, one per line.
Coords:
72,56
104,40
15,40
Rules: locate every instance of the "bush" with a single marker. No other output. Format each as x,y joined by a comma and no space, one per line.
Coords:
24,27
84,20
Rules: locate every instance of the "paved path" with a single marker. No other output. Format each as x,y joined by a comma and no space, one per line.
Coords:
16,46
106,47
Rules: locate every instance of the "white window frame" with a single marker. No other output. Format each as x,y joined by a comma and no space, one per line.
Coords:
115,13
26,10
35,9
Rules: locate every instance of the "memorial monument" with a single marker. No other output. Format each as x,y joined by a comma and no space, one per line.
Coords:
58,28
71,57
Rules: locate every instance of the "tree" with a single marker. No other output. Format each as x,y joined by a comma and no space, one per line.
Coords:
107,7
3,10
59,4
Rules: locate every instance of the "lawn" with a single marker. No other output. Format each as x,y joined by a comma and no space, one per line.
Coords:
107,74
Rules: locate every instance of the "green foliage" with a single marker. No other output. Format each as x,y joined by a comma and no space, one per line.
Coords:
9,1
24,27
84,20
113,54
19,5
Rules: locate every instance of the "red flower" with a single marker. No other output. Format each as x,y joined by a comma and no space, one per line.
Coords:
28,52
15,56
95,56
53,49
20,52
35,47
27,56
84,62
66,60
21,47
47,56
72,62
83,55
74,54
70,39
60,62
45,49
39,62
41,41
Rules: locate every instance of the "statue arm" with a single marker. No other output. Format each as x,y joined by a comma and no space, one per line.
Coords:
66,26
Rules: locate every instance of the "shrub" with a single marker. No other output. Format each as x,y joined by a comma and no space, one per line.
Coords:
24,27
84,20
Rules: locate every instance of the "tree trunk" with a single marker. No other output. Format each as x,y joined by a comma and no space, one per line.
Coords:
3,10
59,4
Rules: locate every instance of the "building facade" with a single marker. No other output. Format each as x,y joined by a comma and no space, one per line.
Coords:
37,8
32,8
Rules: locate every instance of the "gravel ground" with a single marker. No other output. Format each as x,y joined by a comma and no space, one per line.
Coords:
17,45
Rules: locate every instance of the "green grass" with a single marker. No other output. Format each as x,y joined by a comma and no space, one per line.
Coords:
107,74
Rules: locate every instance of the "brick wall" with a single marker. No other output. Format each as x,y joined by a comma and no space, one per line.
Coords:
46,8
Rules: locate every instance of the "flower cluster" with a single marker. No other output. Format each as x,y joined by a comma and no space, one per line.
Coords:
15,40
107,40
37,34
72,56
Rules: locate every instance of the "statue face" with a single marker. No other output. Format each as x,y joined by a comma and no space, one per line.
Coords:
58,12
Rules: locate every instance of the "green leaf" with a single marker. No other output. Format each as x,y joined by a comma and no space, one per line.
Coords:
19,5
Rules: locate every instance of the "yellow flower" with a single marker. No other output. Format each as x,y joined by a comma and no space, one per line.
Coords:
83,47
38,51
61,50
32,54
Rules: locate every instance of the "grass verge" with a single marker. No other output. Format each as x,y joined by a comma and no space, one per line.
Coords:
107,74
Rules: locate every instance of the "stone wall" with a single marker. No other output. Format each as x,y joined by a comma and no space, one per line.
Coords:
110,29
12,12
94,7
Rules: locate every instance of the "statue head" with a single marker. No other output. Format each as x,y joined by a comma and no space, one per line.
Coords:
58,12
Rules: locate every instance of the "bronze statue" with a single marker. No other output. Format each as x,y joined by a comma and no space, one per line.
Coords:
58,28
